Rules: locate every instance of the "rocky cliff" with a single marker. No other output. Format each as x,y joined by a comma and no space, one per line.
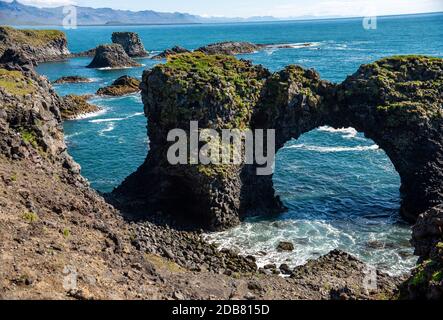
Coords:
41,45
130,41
60,240
396,101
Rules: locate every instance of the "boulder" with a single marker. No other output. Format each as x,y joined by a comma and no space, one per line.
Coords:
112,56
131,43
121,86
285,246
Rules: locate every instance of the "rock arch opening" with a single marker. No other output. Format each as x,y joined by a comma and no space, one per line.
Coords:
341,191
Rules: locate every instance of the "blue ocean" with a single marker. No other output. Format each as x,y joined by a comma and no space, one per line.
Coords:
340,188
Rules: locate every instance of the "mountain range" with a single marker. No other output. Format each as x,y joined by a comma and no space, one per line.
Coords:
16,13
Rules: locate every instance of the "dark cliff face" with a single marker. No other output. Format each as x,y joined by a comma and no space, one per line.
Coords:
130,41
41,45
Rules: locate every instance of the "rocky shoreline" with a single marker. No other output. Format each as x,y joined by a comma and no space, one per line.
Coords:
54,226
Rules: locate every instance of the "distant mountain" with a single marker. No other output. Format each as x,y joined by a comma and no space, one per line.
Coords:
15,13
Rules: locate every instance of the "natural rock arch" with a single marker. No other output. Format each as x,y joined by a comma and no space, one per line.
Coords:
396,102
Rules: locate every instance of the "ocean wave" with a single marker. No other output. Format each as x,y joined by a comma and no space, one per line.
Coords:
137,114
109,128
349,133
333,149
83,116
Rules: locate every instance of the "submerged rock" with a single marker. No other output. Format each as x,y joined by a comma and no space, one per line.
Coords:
112,56
40,45
285,246
170,52
72,79
121,86
131,43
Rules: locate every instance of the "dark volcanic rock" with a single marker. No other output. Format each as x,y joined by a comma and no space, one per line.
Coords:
72,79
111,56
87,53
170,52
130,41
121,86
210,194
230,48
17,57
76,106
396,102
285,246
41,45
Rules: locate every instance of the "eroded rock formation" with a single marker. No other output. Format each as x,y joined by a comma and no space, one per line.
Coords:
130,41
112,56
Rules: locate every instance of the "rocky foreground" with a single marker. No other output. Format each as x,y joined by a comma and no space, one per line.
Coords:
59,239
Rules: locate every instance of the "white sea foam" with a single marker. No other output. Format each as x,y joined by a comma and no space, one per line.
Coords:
109,128
333,149
349,133
83,116
137,114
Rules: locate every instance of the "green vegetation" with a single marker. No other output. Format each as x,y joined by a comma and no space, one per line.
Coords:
14,177
30,217
29,137
233,84
66,232
419,278
15,83
32,37
437,276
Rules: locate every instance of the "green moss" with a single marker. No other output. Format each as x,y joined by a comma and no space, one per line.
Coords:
66,232
15,83
228,82
29,137
437,276
30,217
419,278
32,37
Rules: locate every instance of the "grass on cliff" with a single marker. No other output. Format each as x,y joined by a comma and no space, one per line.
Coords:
15,83
32,37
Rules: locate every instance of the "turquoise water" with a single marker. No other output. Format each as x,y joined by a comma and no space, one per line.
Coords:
341,190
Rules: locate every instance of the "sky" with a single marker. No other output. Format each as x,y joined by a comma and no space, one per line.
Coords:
249,8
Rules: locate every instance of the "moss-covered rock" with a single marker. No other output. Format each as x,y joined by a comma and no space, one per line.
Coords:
395,101
122,86
76,106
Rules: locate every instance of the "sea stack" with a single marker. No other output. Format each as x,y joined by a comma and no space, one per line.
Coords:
112,56
131,43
